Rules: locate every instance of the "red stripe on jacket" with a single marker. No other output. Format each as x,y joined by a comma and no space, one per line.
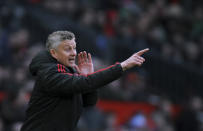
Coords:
70,74
58,68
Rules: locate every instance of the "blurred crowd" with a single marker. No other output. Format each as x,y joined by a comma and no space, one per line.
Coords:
172,29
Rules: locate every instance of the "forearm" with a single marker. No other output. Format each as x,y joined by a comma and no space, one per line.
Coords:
66,83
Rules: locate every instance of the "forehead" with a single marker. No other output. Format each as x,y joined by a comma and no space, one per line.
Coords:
68,43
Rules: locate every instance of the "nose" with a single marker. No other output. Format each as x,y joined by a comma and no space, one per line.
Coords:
73,52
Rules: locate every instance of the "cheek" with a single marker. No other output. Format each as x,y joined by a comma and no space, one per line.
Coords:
67,56
63,56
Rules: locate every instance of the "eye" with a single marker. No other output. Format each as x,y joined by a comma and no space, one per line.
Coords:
67,49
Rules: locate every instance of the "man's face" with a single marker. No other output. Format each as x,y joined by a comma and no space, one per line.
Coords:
66,52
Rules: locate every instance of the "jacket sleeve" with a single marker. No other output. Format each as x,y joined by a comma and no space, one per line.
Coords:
59,82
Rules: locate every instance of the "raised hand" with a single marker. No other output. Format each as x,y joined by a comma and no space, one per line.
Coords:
85,65
135,60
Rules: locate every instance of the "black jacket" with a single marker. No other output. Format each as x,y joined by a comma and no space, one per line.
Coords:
60,93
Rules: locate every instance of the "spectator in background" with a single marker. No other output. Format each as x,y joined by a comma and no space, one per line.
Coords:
190,119
138,122
162,117
13,109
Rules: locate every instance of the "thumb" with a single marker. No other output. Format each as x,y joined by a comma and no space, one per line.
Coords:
77,68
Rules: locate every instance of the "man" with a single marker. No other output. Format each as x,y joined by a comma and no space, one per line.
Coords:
63,88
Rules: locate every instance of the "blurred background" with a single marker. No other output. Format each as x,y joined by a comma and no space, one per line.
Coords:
165,94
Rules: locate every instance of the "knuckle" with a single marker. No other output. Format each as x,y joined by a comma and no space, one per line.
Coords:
135,55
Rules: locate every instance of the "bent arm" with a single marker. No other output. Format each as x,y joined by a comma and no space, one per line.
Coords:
57,83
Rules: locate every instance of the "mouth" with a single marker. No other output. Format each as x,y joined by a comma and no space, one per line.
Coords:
71,60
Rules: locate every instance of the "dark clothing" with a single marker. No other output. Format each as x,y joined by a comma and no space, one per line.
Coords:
60,93
187,121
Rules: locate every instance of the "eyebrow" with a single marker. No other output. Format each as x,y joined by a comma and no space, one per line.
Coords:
69,46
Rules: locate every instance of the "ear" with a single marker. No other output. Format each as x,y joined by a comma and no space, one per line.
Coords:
53,54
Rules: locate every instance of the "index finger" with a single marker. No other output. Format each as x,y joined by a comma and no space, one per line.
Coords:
89,58
142,51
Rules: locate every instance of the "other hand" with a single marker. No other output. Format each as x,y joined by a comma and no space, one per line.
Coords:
85,65
135,60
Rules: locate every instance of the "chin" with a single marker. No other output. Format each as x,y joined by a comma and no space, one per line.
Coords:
71,64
